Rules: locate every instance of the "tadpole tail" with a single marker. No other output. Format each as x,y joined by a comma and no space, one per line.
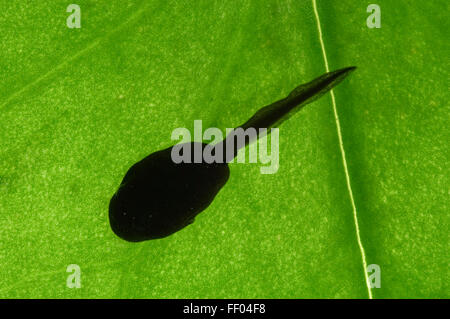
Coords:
276,113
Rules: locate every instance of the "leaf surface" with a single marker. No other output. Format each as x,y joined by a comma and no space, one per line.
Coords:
79,106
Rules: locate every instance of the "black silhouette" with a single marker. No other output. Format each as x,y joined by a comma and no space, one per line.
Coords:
158,197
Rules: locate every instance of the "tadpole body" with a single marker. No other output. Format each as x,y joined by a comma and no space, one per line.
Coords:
158,197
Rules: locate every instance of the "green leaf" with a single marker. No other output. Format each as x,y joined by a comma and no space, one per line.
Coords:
79,106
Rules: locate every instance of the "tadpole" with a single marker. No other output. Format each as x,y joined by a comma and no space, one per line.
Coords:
158,197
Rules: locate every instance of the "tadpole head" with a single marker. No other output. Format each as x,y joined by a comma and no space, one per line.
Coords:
158,197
